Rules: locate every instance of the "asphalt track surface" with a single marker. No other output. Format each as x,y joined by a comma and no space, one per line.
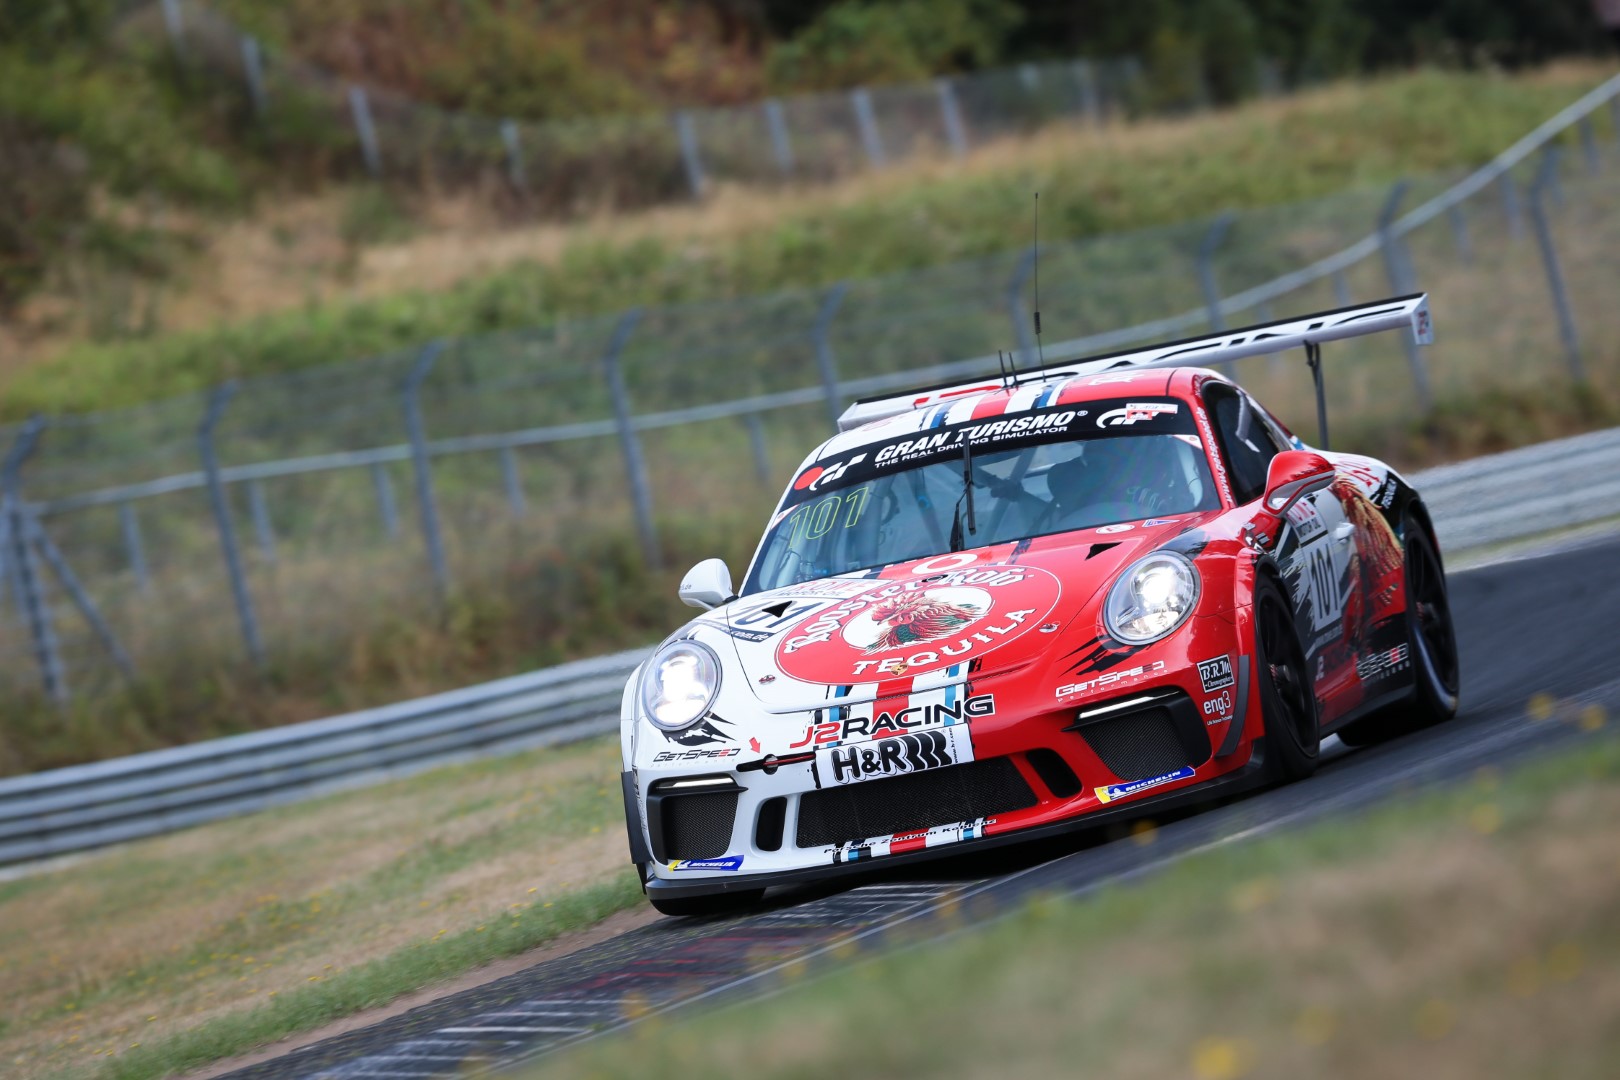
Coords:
1538,625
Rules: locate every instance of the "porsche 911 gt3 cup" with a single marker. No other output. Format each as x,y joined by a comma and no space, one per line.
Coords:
997,609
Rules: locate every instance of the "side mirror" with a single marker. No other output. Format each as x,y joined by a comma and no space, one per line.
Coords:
707,585
1293,475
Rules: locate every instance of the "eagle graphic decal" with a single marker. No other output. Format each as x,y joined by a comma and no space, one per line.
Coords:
915,618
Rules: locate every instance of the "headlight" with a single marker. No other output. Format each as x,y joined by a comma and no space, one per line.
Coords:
1151,598
679,684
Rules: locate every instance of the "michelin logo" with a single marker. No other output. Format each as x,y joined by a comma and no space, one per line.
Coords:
1119,791
729,863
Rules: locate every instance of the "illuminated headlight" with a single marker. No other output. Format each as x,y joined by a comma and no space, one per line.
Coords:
679,684
1151,598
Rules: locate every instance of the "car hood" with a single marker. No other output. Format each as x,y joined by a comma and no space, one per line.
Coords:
918,625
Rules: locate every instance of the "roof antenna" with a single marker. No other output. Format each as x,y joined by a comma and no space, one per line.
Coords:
1008,379
1039,351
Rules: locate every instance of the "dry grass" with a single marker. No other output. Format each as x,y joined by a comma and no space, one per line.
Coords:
154,939
1470,935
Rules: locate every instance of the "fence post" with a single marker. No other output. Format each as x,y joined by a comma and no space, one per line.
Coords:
263,531
365,130
1614,116
1401,282
80,596
1022,332
1549,260
781,146
1206,268
385,498
512,482
686,133
1085,75
951,115
133,548
26,584
866,120
826,363
756,441
1459,232
253,72
222,521
513,143
423,467
1341,289
635,465
176,31
1510,205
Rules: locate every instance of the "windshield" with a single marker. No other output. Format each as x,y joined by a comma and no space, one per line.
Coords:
1046,471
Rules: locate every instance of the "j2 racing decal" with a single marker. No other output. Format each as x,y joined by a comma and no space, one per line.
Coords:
1110,678
939,714
896,756
1119,791
730,864
1215,674
906,628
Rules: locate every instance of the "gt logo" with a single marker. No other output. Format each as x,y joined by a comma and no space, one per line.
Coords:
817,475
1135,411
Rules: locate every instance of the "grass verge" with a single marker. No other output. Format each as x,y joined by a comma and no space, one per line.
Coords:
1463,933
183,950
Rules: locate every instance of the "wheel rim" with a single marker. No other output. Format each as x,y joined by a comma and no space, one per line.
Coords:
1285,667
1431,613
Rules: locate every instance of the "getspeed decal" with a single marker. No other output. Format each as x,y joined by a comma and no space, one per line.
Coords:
905,628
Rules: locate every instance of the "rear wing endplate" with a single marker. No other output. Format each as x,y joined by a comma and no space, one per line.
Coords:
1309,332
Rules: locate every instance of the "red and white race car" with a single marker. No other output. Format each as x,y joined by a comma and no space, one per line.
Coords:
999,609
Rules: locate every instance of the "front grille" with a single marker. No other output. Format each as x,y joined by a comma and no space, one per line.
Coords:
914,801
697,826
1152,741
1054,772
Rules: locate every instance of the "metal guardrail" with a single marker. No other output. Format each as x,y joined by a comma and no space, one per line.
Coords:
1486,501
107,802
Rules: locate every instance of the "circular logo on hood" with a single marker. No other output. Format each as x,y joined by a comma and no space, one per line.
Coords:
902,628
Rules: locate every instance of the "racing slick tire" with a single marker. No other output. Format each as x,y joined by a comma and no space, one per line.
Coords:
1433,643
1293,730
726,903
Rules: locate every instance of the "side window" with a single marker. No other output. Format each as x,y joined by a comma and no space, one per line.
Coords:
1247,447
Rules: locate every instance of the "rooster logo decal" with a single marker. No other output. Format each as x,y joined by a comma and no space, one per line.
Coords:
916,618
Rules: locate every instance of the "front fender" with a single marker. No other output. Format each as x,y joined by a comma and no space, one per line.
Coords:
627,719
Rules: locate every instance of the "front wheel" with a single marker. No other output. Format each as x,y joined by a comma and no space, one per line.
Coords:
1432,640
726,903
1287,694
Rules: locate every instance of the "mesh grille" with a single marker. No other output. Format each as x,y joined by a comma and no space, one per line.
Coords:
916,801
698,826
1138,745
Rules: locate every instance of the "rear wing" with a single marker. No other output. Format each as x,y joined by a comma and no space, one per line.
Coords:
1309,332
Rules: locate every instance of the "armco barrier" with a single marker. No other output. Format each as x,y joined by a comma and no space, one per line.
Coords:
1478,503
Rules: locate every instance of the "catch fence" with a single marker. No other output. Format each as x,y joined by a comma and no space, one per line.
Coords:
293,512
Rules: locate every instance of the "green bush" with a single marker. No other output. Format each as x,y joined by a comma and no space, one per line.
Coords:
858,42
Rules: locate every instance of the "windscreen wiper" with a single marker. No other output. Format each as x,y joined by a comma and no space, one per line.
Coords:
966,496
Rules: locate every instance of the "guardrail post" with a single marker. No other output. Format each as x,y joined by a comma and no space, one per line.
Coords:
1510,205
365,130
26,583
512,482
385,498
635,464
423,468
686,133
781,145
756,441
1021,327
259,510
245,614
1206,268
134,549
1401,281
860,100
951,116
1594,162
1459,232
1549,260
253,73
825,361
512,141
